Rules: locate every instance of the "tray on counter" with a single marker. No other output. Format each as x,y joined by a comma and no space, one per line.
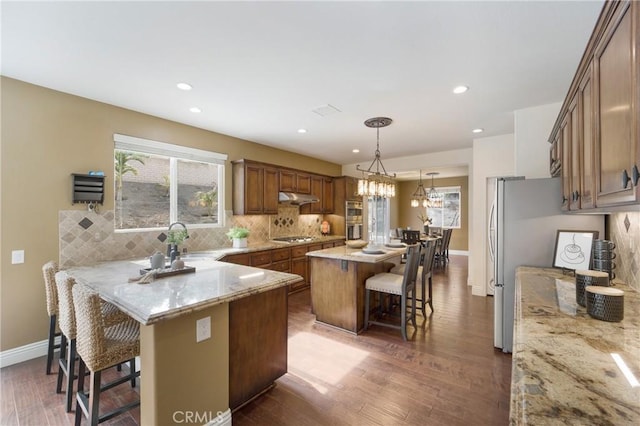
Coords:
169,272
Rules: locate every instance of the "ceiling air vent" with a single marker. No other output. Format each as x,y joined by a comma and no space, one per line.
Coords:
325,110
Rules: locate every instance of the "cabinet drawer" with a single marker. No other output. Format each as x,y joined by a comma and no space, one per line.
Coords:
280,254
339,243
282,266
315,247
238,259
261,258
327,245
298,251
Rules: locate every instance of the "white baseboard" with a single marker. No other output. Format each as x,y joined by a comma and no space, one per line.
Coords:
459,252
221,419
25,353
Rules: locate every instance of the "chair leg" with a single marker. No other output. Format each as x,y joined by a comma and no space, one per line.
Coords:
51,342
71,366
94,398
79,407
430,295
132,371
366,308
423,300
413,306
403,318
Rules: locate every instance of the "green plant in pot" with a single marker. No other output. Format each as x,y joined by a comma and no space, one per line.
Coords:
238,235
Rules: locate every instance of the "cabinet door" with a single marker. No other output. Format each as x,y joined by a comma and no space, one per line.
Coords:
287,181
253,191
565,142
317,183
615,83
574,135
299,266
238,259
327,196
585,114
303,183
270,192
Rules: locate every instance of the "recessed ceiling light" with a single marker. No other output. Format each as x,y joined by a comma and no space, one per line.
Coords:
195,109
478,130
184,86
302,130
460,89
355,151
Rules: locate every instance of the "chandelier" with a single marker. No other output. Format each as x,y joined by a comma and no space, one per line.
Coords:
419,196
434,197
376,182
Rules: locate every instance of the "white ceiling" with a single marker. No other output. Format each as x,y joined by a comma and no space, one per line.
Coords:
259,69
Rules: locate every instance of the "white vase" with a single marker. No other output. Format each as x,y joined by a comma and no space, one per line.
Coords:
239,242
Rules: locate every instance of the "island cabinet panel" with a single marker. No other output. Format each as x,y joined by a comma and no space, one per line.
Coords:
338,289
257,344
616,77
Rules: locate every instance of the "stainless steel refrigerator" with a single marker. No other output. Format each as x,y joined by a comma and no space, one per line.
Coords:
526,218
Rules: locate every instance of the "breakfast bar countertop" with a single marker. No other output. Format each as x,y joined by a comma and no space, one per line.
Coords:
564,368
211,284
357,255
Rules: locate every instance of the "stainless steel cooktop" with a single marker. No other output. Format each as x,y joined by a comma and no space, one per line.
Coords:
293,239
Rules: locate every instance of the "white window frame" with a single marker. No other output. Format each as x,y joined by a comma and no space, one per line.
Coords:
442,190
176,152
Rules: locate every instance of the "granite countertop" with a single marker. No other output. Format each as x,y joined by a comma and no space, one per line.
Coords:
357,255
168,297
563,369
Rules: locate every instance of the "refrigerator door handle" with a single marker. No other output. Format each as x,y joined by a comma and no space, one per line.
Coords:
491,232
497,316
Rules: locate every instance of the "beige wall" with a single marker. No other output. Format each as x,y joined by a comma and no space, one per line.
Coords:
46,136
408,216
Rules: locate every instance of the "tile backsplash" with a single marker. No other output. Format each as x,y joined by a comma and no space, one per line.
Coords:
88,237
624,230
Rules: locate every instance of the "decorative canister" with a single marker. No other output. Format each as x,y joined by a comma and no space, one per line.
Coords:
605,303
586,278
157,260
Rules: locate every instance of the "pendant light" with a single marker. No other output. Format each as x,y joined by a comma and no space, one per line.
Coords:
375,181
419,196
434,197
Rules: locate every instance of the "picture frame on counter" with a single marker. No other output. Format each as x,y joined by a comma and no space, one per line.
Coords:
573,249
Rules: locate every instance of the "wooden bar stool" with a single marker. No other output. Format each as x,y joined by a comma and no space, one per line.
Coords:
49,273
101,346
399,285
425,271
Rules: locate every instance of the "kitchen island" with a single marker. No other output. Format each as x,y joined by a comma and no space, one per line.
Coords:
246,309
564,371
338,278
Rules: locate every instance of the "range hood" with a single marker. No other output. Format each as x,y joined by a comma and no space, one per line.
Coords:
296,199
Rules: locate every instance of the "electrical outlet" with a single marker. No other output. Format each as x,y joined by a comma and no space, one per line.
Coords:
17,256
203,329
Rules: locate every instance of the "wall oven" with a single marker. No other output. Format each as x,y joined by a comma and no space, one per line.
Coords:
353,220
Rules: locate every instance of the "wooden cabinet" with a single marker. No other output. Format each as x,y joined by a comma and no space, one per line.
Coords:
294,181
299,266
616,109
238,259
321,187
598,129
255,188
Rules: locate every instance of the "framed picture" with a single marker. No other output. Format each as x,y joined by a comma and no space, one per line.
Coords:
573,249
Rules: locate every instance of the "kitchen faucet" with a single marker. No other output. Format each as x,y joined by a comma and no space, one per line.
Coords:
172,248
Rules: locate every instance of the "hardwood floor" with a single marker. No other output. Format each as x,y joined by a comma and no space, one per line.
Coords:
448,373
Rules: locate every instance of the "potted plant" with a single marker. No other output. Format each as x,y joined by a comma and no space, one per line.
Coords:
239,236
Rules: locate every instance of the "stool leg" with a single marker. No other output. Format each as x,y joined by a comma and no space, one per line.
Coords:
79,406
62,365
366,308
413,306
94,398
423,299
71,366
403,316
51,343
430,295
132,371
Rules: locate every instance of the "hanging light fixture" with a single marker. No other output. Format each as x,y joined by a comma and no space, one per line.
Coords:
419,196
376,182
434,197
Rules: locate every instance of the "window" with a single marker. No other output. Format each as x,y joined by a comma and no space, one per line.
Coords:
378,219
445,213
158,183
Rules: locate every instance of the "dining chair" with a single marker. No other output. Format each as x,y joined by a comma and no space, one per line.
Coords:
49,273
410,236
399,285
425,272
101,345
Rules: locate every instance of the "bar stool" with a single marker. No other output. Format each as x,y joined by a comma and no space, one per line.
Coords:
49,273
101,346
67,322
394,284
425,271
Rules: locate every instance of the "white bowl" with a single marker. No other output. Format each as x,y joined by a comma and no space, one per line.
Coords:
356,243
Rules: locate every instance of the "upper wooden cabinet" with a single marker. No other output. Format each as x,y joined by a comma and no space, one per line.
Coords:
321,187
598,130
255,188
294,181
